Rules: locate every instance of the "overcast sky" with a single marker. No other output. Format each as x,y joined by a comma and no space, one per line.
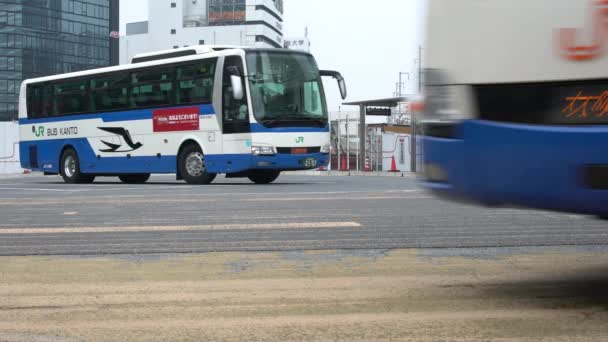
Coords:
370,42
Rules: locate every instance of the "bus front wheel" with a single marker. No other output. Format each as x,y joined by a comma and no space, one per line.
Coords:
264,176
192,166
70,169
134,179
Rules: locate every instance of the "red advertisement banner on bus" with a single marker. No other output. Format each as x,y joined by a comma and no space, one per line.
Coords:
177,120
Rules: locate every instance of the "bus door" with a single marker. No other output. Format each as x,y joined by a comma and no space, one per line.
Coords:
235,112
236,126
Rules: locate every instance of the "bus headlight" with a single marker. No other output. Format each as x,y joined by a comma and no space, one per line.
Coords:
444,102
325,149
263,150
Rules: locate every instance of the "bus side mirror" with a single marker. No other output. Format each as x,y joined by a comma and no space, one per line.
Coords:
238,93
236,81
341,83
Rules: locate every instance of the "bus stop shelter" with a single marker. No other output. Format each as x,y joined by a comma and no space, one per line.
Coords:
379,107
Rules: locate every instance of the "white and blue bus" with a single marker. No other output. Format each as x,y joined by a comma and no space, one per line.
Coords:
195,112
516,109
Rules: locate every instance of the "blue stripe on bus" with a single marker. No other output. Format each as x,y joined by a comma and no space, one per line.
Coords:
49,153
258,128
133,115
524,165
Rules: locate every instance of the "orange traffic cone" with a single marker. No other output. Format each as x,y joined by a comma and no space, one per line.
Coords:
368,167
393,165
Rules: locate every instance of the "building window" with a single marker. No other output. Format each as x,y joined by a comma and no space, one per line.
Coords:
173,5
201,42
173,31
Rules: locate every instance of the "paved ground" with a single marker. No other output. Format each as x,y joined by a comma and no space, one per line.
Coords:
44,216
306,259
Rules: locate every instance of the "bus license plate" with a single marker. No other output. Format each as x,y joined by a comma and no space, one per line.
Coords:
309,163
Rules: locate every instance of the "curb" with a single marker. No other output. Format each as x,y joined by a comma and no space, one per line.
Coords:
408,175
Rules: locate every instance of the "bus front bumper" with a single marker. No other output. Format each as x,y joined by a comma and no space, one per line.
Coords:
290,162
544,167
233,164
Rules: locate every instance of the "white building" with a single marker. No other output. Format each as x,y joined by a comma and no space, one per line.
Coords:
9,148
180,23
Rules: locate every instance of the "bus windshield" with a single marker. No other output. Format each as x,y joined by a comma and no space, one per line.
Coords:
286,89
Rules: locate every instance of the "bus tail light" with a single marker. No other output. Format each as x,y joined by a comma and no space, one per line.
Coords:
263,150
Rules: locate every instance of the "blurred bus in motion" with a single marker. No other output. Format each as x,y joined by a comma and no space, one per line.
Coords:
516,103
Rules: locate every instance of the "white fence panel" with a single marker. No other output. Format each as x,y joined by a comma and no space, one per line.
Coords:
9,148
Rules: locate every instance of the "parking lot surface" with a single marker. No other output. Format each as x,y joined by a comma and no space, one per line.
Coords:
43,216
307,258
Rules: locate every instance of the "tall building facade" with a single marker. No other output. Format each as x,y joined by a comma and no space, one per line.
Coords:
179,23
47,37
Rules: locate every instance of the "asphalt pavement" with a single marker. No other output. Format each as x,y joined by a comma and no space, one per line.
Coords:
43,216
305,259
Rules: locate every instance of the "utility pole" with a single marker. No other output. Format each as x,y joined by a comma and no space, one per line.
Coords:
347,144
400,91
358,151
362,136
414,147
339,140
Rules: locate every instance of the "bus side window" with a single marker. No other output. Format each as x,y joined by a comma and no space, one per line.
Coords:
34,101
110,92
235,112
152,88
195,82
48,100
71,97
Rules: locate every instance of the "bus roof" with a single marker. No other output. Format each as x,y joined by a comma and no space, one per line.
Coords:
123,67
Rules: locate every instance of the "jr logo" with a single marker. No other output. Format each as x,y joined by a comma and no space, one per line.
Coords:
299,140
570,38
39,132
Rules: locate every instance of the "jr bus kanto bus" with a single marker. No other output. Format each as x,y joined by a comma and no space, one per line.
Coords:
516,103
195,112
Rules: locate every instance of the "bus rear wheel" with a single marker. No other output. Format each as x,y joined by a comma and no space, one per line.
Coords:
134,179
192,166
70,169
264,176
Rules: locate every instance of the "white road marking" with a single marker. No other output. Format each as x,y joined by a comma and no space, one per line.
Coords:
99,189
70,213
292,199
319,225
42,189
